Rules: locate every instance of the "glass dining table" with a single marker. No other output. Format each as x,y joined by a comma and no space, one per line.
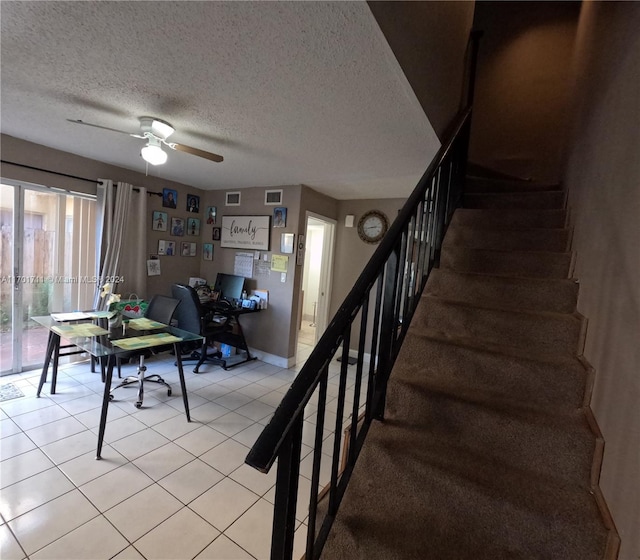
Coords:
92,335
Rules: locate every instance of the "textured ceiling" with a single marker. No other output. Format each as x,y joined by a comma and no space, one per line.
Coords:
288,92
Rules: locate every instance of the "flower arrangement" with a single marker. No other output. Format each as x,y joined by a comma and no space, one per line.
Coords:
107,291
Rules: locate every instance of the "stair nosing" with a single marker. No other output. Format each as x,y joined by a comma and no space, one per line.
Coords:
512,251
488,274
573,316
554,358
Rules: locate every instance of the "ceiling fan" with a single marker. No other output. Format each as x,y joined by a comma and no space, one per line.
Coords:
156,132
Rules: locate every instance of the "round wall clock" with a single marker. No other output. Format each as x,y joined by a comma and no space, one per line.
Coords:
372,226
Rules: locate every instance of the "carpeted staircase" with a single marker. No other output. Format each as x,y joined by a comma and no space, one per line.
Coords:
488,449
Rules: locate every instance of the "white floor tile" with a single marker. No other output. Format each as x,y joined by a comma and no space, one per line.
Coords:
15,445
115,486
32,492
208,412
162,461
84,468
175,427
9,547
233,400
252,531
120,428
224,503
91,418
249,435
8,427
23,466
139,514
256,410
231,423
55,431
226,457
223,548
71,447
200,440
49,412
161,542
45,524
129,553
96,539
254,480
138,444
190,481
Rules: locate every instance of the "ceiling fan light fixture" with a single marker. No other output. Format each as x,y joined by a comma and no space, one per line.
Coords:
162,129
152,153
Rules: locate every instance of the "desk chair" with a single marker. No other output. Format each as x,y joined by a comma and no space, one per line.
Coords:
161,309
194,317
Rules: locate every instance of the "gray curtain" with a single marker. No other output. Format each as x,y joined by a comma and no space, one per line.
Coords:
122,239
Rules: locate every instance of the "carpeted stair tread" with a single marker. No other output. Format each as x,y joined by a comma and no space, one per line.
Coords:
527,264
483,185
510,218
529,239
557,446
543,294
554,333
467,367
539,200
448,501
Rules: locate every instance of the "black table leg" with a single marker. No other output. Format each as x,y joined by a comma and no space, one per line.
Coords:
105,404
56,357
51,344
176,348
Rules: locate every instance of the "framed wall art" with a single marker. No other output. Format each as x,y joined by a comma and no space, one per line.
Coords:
245,232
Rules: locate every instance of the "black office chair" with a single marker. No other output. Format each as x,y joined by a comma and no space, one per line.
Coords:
161,309
194,317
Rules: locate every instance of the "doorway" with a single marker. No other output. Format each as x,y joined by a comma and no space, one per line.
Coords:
317,274
47,261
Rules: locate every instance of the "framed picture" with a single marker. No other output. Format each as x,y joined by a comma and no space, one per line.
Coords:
193,226
193,203
159,221
177,227
207,251
170,248
245,232
279,217
212,213
286,243
169,198
216,234
187,249
232,198
162,247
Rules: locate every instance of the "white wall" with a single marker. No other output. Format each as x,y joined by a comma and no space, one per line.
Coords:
603,178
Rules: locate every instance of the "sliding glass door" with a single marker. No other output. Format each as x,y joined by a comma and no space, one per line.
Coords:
47,260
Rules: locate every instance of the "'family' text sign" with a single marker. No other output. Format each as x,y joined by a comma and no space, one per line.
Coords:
246,232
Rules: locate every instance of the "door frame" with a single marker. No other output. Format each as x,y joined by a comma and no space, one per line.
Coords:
326,269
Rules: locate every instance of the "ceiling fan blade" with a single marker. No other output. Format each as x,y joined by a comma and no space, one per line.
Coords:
78,121
195,152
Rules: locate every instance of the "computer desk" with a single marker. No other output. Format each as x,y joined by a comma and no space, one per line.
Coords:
234,337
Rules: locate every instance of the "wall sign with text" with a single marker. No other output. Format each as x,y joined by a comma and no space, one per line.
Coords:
246,232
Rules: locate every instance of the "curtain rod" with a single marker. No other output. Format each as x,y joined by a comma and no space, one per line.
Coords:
94,181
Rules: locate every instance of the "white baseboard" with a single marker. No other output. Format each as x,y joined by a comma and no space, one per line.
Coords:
273,359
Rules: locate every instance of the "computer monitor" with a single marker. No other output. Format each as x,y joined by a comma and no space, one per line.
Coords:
230,286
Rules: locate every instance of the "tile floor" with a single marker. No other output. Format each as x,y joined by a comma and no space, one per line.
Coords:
165,488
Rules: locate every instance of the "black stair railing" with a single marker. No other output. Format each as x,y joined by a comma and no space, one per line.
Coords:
330,405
